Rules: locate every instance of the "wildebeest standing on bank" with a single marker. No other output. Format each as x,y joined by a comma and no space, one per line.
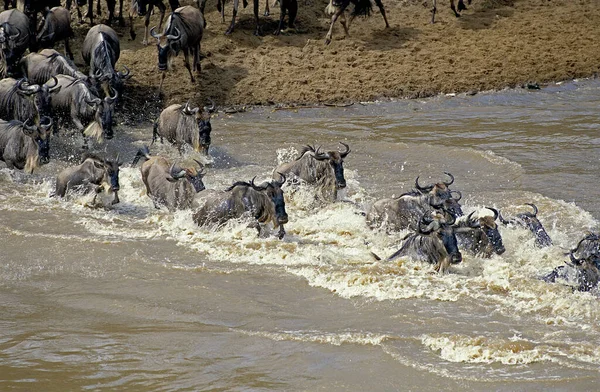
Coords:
183,32
434,242
264,202
145,8
323,169
461,7
15,38
530,221
101,51
286,6
336,8
57,27
42,66
480,236
167,183
76,102
95,173
180,125
22,101
24,145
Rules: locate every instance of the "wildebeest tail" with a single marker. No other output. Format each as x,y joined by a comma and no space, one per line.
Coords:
143,152
362,8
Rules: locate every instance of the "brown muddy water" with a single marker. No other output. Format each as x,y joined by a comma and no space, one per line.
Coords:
133,298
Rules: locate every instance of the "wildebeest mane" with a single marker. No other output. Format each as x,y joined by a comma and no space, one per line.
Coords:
21,107
238,183
91,155
104,53
305,149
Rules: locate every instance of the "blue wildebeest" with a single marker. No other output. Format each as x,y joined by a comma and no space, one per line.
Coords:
582,271
480,236
265,203
169,184
56,27
434,242
181,124
24,145
325,170
461,7
20,100
405,211
40,67
93,173
145,8
336,9
16,37
183,32
530,221
101,51
75,102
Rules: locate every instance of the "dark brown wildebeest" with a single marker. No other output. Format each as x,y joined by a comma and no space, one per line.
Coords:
336,9
56,27
181,124
145,8
323,169
265,203
183,32
16,37
77,103
405,211
93,173
22,101
434,242
480,236
529,220
168,183
42,66
461,7
24,145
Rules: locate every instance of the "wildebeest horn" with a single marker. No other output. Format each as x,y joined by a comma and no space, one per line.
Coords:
29,89
256,187
504,221
53,87
153,34
124,75
471,222
47,126
282,181
15,36
212,108
535,210
320,156
459,195
427,188
495,211
28,127
573,259
451,179
345,153
201,172
174,37
186,108
176,172
451,221
93,102
113,98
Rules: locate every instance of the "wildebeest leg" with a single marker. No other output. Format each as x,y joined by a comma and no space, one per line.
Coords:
333,19
221,9
121,20
132,12
292,7
68,49
461,6
382,10
433,12
186,61
257,31
453,8
442,265
196,64
281,17
90,12
98,9
267,10
281,232
162,79
235,8
344,24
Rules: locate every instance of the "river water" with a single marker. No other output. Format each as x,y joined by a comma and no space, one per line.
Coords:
133,298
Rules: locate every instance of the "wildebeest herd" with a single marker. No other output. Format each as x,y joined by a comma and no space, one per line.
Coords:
43,89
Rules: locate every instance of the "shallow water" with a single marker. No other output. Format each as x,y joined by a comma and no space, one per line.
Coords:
130,297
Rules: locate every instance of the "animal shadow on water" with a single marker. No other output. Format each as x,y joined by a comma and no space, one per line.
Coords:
390,38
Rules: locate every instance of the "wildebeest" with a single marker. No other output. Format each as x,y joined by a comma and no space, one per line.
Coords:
584,270
529,220
16,37
57,27
181,124
40,67
461,7
286,7
145,8
405,211
93,173
20,100
24,145
264,202
480,236
434,242
169,184
110,5
183,31
76,102
101,50
336,9
323,169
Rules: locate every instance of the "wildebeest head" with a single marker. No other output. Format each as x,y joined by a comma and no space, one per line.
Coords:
452,204
205,127
110,179
335,159
275,193
488,225
439,192
40,134
104,110
41,95
588,267
168,47
530,221
190,174
445,232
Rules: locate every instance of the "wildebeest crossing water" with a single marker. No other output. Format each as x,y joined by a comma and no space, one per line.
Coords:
92,297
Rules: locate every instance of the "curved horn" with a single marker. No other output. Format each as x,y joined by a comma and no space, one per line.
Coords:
124,75
153,34
452,219
495,211
201,172
535,210
212,108
459,195
186,108
174,37
256,187
345,153
47,126
320,156
29,89
176,172
471,222
282,181
15,36
29,127
451,179
93,102
424,189
113,98
504,221
53,87
573,259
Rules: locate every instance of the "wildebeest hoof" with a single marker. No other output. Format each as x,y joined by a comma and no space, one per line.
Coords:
327,41
276,32
145,42
267,13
